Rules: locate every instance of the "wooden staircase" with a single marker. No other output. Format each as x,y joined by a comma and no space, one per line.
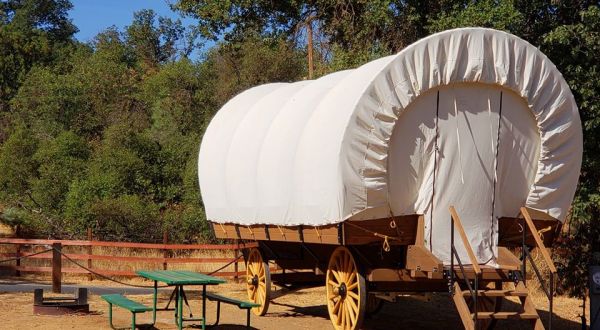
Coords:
479,306
485,318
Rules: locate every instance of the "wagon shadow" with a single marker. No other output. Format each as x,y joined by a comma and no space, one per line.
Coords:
413,313
224,327
294,311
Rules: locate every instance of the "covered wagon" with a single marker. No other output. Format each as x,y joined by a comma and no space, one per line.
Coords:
412,173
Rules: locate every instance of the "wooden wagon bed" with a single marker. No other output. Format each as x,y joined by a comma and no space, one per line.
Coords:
304,255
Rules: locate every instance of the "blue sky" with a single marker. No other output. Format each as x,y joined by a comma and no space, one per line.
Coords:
94,16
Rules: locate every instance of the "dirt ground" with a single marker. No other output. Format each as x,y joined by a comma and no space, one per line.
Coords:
289,309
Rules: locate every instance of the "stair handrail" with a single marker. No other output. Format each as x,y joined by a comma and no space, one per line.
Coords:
455,220
463,236
549,291
538,241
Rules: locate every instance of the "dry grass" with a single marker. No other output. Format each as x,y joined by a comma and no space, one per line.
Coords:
118,265
6,231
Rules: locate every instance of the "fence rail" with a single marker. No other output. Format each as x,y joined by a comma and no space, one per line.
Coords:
27,246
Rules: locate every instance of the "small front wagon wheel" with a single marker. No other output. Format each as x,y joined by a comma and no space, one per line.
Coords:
346,291
258,281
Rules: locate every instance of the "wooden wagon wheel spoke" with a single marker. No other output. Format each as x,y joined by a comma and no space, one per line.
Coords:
337,276
336,306
351,312
333,283
353,286
352,278
258,279
351,294
346,291
352,304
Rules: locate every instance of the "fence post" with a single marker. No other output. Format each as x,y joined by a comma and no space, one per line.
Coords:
56,267
90,252
235,265
18,254
165,252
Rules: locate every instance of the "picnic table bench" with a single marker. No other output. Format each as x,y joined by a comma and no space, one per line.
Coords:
119,300
231,301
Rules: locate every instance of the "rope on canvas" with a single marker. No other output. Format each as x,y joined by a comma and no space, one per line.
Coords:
435,156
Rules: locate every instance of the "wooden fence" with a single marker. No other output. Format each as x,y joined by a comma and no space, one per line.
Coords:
24,247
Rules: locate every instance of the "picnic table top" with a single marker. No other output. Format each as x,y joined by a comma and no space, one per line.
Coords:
180,277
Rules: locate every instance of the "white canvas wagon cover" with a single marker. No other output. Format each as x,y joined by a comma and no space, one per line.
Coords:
475,118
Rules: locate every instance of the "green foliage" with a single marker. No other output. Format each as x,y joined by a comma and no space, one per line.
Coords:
61,160
153,44
31,32
495,14
127,217
17,165
255,60
574,48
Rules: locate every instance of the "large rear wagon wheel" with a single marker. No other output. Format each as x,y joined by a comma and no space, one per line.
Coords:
258,281
346,291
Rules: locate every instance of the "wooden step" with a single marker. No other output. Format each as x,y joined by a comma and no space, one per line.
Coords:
497,293
506,315
507,260
487,273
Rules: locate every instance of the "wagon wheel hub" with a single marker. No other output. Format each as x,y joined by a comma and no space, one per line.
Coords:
254,280
341,290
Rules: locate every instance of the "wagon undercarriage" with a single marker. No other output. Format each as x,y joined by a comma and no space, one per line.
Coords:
366,263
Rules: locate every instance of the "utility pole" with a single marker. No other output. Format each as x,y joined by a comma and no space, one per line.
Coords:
309,38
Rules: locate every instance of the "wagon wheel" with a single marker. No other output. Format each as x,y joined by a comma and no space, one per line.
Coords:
346,291
258,280
374,305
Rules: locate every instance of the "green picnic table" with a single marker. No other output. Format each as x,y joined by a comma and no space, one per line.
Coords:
179,279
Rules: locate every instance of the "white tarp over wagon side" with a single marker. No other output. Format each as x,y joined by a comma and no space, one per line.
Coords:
361,144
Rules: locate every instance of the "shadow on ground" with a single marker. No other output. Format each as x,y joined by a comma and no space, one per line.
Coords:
411,313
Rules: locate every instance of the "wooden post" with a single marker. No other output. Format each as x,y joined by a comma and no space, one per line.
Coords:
56,267
89,251
309,36
166,252
18,254
235,265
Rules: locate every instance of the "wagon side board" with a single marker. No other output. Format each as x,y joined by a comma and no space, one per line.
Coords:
329,234
401,230
510,230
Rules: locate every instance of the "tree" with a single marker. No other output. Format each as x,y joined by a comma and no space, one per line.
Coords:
31,31
233,67
367,28
18,167
574,48
61,160
158,40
